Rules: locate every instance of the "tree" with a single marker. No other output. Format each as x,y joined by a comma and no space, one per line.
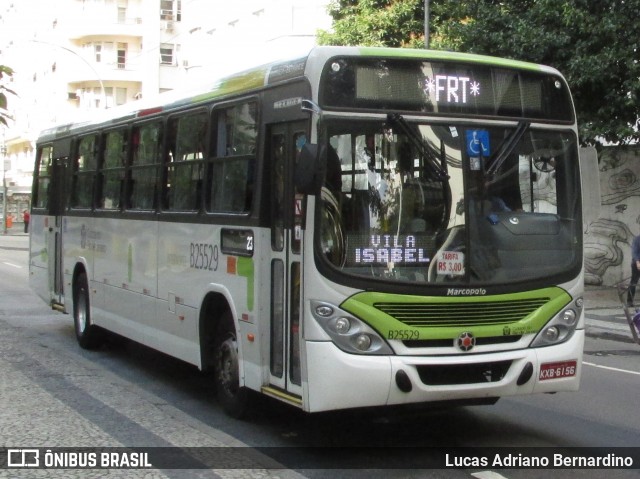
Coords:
594,43
4,115
376,23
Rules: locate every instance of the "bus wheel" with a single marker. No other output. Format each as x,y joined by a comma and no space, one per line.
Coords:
233,398
88,335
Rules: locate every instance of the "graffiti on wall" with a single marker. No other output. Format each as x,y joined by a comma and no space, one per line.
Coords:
608,238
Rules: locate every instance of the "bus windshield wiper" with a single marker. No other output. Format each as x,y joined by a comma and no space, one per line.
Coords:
431,163
507,147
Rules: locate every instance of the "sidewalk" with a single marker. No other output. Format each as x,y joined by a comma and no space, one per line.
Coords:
603,310
15,239
15,231
605,315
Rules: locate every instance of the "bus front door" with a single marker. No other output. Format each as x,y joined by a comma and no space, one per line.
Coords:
53,230
285,142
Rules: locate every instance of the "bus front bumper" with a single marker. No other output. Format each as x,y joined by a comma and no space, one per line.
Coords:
337,380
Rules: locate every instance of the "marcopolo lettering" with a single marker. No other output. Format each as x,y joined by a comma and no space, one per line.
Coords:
466,292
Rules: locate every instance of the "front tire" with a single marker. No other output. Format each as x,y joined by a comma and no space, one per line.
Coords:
89,336
233,398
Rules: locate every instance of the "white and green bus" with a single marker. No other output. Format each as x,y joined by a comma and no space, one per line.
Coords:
355,227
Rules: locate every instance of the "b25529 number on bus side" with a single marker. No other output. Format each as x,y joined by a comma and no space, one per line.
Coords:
204,256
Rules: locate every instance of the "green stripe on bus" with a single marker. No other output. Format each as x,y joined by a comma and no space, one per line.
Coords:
439,55
237,83
246,270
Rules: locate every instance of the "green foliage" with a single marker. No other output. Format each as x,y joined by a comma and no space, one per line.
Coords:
594,43
375,23
4,116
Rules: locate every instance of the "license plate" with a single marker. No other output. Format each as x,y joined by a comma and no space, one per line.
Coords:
564,369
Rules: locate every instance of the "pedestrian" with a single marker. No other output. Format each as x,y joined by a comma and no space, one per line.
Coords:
26,217
635,269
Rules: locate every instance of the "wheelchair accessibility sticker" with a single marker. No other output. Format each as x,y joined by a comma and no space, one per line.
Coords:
478,143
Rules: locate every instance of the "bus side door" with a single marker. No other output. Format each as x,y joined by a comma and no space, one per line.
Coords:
53,230
285,142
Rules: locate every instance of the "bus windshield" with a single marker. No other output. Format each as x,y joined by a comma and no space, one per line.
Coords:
450,204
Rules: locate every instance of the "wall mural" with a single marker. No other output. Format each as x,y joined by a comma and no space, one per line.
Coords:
608,239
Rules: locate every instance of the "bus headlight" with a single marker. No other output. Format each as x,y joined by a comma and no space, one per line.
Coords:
362,342
561,327
569,317
551,334
349,333
343,325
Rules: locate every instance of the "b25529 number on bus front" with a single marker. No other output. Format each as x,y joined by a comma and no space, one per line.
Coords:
403,334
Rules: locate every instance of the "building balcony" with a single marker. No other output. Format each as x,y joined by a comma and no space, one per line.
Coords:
107,72
98,27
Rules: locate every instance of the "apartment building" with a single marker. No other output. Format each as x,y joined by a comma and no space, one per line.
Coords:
74,58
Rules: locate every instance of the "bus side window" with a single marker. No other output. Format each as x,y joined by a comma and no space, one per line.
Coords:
41,199
113,169
232,169
146,145
187,141
84,166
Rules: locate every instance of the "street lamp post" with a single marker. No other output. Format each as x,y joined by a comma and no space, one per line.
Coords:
84,60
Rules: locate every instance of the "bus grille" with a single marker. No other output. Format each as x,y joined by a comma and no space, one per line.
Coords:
446,343
448,375
462,314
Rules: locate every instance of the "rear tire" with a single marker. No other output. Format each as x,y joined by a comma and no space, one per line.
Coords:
89,336
233,398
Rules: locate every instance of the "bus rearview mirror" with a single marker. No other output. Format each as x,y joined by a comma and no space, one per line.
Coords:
309,173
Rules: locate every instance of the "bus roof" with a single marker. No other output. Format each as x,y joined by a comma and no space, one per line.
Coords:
270,73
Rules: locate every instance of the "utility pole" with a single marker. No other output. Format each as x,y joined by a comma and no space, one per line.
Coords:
426,24
3,153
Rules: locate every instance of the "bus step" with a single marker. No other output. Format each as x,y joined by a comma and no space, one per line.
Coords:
282,395
58,307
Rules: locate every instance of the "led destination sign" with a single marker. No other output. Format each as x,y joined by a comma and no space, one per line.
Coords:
384,249
451,89
444,88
